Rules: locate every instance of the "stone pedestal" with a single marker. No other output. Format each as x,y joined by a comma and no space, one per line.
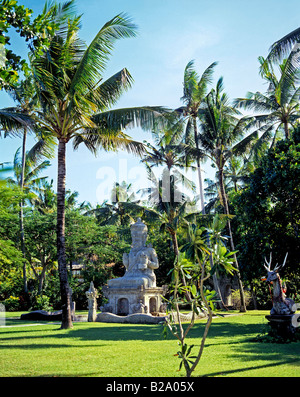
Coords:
281,325
92,296
125,301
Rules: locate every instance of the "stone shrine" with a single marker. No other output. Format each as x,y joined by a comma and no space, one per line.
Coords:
136,291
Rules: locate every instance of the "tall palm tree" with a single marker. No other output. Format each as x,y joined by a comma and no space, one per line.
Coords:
195,89
24,95
279,107
222,136
77,107
167,203
26,170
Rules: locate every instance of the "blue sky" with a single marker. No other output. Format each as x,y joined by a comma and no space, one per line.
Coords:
171,33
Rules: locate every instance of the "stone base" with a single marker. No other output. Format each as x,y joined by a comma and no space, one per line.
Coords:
138,318
281,325
126,301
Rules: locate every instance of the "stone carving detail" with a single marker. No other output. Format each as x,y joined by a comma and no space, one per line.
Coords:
92,296
140,263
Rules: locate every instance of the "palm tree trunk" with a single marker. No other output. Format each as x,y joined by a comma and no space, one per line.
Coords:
199,168
286,130
21,219
61,249
226,210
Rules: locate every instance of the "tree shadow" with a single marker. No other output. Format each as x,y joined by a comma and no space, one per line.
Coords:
253,367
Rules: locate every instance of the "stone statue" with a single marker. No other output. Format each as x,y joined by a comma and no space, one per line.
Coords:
139,307
92,296
281,304
140,263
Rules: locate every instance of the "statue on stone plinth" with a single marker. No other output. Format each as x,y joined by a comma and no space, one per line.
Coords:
92,296
281,304
140,263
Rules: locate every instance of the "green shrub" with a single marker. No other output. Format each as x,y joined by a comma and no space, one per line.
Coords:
236,298
12,304
42,302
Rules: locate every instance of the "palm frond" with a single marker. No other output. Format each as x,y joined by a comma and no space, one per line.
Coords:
283,46
145,117
107,93
93,62
12,122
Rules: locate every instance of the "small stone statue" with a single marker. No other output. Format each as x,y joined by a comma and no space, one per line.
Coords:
139,307
92,296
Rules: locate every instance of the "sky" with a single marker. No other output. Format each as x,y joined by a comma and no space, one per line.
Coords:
170,34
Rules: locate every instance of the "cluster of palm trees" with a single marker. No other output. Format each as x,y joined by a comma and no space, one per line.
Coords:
66,99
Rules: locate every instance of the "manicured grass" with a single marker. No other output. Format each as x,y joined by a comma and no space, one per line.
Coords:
126,350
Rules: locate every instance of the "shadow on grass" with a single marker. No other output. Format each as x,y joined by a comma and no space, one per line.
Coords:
253,367
237,334
117,332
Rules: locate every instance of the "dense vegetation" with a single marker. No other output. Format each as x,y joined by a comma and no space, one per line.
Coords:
223,231
256,158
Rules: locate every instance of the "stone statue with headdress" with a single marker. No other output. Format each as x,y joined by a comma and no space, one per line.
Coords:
140,263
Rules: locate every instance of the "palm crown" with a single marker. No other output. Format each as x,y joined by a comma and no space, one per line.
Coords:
279,106
75,98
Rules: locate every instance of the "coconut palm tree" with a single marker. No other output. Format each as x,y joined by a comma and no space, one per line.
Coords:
26,169
167,152
222,136
276,109
123,210
25,96
77,104
195,89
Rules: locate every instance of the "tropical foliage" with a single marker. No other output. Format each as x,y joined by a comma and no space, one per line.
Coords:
249,208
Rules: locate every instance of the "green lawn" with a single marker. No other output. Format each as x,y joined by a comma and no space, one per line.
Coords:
114,350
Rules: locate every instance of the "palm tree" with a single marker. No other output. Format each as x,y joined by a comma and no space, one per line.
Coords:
77,107
124,208
167,204
25,96
168,152
26,176
221,138
194,93
279,105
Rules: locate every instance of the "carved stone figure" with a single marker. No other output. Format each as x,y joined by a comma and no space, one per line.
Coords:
140,263
92,296
139,307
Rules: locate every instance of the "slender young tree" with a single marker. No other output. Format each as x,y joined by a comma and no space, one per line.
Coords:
77,104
